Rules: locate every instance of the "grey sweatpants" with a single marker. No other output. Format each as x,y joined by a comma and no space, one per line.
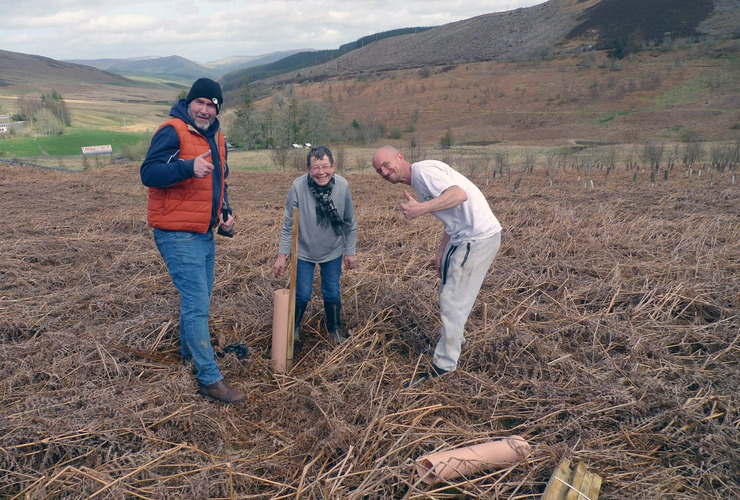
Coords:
463,269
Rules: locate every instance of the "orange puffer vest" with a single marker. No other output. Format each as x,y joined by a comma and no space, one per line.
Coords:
186,206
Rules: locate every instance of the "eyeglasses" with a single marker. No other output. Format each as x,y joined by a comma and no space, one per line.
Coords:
319,168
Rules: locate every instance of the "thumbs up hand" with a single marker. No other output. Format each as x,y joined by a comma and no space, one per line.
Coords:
411,208
201,166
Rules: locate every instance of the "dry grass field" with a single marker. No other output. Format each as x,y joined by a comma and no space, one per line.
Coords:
607,332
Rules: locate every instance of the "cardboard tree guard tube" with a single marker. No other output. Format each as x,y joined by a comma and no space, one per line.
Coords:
279,329
446,465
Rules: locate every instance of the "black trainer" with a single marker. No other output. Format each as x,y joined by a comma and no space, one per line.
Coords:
434,372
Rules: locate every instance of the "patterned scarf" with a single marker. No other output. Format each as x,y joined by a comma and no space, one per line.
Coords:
326,212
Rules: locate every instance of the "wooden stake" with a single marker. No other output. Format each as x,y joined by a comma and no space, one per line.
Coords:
557,486
293,274
585,487
593,491
577,483
567,484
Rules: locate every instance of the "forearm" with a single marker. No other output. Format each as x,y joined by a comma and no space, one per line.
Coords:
162,166
450,198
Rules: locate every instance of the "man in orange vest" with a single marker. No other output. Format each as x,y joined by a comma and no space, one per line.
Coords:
185,170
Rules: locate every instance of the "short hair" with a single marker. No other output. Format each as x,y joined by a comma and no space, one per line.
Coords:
318,152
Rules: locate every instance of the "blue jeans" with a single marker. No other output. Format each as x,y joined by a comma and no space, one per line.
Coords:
330,273
190,260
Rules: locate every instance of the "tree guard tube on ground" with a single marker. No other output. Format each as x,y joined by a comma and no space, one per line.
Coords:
447,465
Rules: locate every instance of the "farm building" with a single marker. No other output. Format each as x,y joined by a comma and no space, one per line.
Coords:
4,123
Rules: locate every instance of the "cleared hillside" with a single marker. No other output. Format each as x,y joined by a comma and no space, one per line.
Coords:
511,34
658,95
529,32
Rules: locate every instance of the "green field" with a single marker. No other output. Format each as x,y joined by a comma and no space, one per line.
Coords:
68,143
64,151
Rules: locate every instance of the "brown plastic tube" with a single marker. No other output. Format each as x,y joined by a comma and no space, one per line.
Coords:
446,465
280,330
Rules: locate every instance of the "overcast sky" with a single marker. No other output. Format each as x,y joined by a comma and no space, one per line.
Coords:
209,30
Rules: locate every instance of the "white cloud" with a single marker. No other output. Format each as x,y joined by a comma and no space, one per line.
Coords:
206,30
118,24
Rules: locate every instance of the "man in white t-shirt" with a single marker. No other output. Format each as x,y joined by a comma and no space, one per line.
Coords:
470,242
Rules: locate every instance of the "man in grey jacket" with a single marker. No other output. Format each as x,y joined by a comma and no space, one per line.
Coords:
327,234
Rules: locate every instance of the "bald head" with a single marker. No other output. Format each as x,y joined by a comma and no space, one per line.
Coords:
391,166
384,152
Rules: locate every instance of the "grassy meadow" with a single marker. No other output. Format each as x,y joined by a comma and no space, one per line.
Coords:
68,144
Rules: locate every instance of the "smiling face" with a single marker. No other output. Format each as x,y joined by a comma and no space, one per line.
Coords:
387,163
203,112
321,170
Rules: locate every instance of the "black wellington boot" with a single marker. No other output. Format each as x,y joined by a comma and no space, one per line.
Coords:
333,311
300,308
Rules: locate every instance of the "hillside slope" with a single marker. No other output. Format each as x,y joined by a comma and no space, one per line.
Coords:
305,59
530,32
26,73
657,95
509,34
633,22
460,77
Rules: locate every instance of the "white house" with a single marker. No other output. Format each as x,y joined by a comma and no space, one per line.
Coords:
4,123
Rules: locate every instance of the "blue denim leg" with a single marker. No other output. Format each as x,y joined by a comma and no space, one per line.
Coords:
190,261
304,281
330,273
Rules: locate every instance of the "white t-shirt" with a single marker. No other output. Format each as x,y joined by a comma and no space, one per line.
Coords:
472,219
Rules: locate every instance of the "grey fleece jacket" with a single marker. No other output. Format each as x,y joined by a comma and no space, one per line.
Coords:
318,244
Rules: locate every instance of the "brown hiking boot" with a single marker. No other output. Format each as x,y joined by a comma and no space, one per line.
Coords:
221,392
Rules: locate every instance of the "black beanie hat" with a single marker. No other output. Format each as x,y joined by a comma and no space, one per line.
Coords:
205,87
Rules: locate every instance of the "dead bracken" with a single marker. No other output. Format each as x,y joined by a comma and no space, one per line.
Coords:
607,333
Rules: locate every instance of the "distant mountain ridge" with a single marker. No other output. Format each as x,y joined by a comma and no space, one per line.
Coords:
498,35
233,70
180,68
18,69
163,67
233,63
